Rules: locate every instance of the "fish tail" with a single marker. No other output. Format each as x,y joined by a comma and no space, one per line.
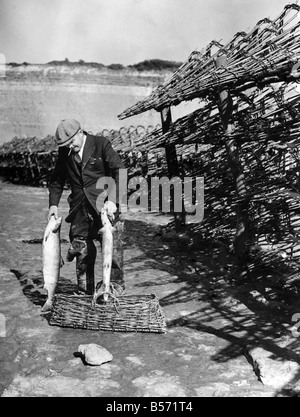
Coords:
47,306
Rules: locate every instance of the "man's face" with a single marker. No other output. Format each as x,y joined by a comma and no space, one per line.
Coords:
77,141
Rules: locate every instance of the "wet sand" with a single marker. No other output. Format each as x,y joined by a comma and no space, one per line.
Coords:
200,355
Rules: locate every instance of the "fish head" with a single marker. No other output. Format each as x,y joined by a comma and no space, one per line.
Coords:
54,224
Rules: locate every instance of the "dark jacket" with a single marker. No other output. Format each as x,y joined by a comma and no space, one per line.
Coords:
98,160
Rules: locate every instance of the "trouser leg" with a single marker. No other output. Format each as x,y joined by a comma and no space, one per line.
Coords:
90,267
85,265
84,228
83,248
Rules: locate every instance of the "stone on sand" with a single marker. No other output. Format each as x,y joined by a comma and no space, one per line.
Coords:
95,354
273,372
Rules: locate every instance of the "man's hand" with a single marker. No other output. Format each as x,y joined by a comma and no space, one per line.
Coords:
110,208
53,211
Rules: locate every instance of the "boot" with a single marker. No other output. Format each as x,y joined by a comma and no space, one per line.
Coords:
90,267
81,285
76,248
85,264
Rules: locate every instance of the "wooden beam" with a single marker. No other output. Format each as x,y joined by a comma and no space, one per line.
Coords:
225,109
172,162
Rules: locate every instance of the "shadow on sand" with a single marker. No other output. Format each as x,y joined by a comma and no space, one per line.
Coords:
32,283
257,310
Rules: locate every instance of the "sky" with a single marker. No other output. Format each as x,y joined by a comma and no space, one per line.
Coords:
122,31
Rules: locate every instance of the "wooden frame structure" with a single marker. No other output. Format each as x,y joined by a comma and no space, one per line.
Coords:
246,66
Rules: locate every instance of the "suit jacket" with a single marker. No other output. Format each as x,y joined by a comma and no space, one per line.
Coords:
98,160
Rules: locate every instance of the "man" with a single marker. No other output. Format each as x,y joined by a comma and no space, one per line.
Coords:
82,160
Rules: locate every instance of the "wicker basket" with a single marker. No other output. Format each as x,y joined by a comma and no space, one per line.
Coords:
130,313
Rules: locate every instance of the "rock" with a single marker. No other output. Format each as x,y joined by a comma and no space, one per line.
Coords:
95,354
271,372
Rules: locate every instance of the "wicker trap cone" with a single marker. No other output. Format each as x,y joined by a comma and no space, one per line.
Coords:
126,313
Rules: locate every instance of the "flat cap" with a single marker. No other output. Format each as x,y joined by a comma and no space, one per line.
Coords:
65,131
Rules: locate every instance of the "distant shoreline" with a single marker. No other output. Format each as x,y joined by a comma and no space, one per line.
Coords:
144,66
83,74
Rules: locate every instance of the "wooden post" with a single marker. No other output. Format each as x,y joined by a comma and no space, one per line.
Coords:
172,162
225,109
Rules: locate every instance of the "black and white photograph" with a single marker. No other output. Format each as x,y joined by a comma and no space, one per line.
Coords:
149,201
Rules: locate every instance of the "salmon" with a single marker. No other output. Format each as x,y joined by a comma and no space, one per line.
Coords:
107,255
51,259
